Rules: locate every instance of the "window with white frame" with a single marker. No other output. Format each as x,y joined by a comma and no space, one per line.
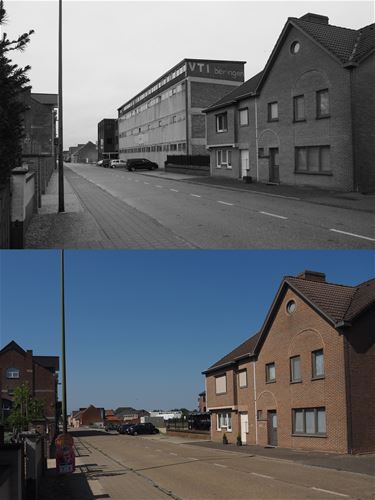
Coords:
224,421
242,378
244,117
221,122
12,373
221,384
224,158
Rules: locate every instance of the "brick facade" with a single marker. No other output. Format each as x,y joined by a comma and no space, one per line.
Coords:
342,137
343,395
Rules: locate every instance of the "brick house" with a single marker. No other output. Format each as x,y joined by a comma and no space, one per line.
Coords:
19,367
128,414
308,118
87,416
307,379
87,153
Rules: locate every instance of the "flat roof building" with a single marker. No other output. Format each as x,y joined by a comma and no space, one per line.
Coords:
166,117
107,138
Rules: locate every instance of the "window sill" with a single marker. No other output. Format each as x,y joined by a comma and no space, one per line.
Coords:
299,121
221,131
271,381
296,381
272,120
322,377
323,117
220,393
327,174
310,435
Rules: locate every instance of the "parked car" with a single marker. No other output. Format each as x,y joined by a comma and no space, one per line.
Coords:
99,163
146,428
117,164
136,163
110,426
123,428
106,163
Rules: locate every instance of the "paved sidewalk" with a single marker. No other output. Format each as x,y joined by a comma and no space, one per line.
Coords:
351,201
94,219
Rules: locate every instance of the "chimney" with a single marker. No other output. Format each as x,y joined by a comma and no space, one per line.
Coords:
315,18
312,276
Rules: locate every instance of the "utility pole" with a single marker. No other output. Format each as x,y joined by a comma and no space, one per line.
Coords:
63,361
60,152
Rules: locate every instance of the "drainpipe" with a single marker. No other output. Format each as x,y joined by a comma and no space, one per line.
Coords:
255,403
256,138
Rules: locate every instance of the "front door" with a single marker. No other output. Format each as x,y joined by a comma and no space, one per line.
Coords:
272,427
274,165
244,427
244,162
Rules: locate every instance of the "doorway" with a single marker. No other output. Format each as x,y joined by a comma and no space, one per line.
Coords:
244,427
274,165
244,162
272,427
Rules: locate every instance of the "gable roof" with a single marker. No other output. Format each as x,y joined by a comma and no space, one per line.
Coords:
49,362
13,346
247,89
82,147
244,350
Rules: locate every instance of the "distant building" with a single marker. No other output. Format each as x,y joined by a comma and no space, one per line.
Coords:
308,118
166,117
129,414
166,415
107,138
19,367
85,154
202,407
87,416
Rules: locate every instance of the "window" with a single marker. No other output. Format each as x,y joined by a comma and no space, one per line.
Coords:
299,108
259,415
313,160
270,372
294,48
244,117
242,378
322,104
221,122
221,384
13,373
309,421
224,158
295,369
318,364
291,307
273,111
224,421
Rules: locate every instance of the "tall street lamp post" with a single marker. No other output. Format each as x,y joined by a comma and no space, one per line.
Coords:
60,150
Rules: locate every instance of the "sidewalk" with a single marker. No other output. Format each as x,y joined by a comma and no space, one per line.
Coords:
351,201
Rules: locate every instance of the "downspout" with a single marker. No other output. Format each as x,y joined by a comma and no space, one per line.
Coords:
187,93
255,404
348,384
256,138
354,152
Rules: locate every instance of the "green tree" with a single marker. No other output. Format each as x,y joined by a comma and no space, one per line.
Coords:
13,81
25,409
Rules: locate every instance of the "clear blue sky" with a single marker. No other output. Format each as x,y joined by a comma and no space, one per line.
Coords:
142,325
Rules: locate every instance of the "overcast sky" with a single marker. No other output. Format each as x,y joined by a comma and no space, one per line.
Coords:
113,49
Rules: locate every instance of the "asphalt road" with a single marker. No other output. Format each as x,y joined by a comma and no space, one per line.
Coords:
209,217
125,467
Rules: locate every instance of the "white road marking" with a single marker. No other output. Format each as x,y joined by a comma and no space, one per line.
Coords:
174,454
273,215
174,190
225,203
158,186
353,234
331,492
136,180
192,458
219,465
144,182
262,475
196,195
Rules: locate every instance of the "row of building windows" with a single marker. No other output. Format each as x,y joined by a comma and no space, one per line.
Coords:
153,125
322,111
317,365
308,159
305,421
151,102
180,146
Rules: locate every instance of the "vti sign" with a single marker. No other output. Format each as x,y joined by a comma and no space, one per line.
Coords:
216,69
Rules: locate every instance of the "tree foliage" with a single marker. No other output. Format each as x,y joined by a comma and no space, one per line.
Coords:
13,82
25,409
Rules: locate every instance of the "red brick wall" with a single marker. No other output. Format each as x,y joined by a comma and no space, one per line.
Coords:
361,383
91,415
45,389
203,94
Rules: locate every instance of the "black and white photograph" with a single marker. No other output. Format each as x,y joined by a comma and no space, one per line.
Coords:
187,249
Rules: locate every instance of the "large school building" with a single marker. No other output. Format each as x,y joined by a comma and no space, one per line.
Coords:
167,117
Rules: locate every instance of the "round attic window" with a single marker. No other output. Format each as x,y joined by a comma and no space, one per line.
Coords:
291,307
294,48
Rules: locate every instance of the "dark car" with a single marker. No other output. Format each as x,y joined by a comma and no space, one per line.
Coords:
106,162
146,428
137,163
123,428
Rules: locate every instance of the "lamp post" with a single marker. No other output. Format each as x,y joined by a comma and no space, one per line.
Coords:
60,147
63,361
